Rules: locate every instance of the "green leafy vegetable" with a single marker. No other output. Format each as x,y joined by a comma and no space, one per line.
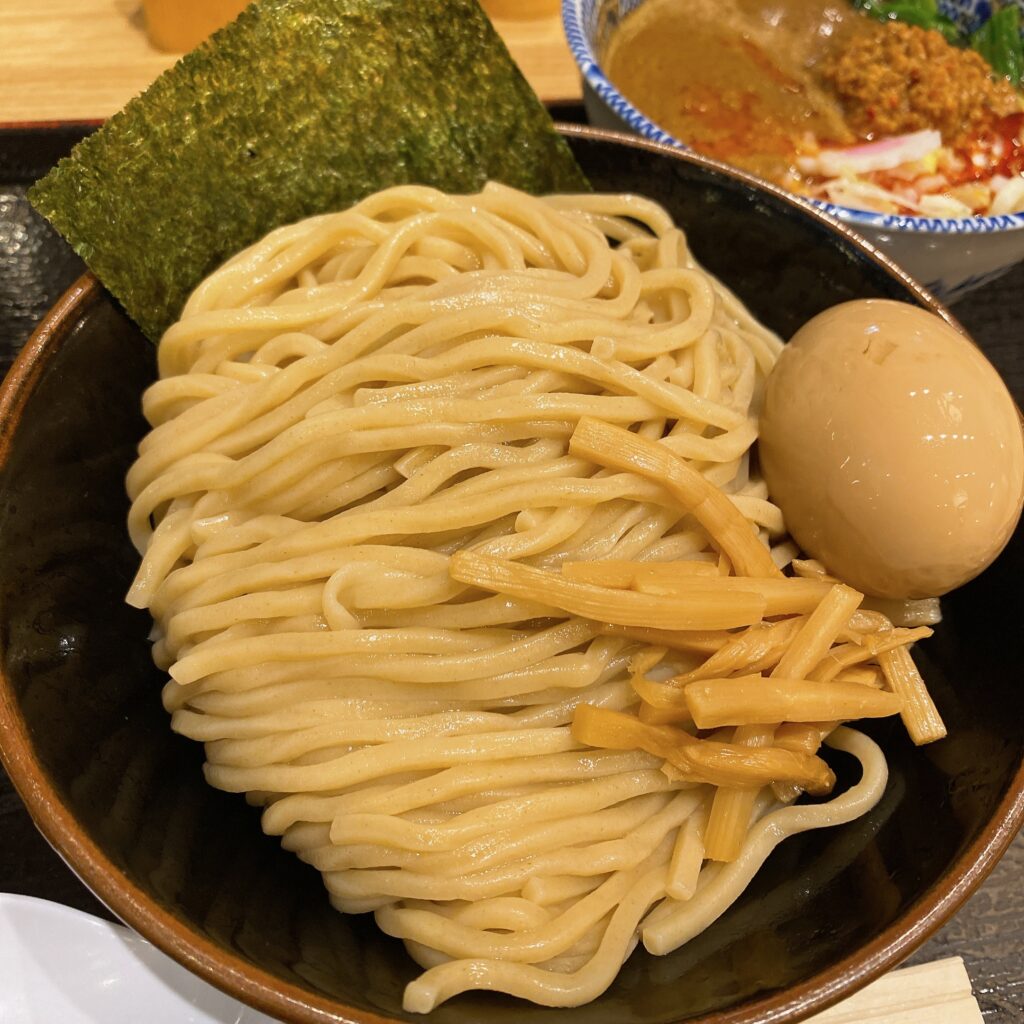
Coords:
923,13
298,107
998,40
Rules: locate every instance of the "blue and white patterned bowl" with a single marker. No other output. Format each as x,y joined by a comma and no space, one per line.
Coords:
950,255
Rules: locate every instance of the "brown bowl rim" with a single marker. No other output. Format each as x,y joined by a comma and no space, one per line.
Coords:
272,995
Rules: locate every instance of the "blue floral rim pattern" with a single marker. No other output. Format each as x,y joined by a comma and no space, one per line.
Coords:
579,17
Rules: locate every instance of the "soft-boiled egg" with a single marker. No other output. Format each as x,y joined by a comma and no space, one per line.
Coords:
893,448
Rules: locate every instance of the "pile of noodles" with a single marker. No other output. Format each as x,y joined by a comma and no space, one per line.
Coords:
343,407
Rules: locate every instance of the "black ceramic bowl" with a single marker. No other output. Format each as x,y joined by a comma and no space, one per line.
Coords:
88,745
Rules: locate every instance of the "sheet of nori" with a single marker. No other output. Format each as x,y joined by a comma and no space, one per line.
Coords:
296,108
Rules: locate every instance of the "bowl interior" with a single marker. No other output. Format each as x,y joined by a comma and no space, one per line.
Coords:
83,705
590,26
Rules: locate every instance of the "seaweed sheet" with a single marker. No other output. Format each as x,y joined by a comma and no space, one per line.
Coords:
296,108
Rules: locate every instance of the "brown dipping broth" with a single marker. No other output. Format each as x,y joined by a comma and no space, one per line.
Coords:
735,78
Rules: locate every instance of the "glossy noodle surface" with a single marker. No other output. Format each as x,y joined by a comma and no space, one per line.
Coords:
361,423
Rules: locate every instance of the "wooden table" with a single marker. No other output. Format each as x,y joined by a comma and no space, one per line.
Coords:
82,60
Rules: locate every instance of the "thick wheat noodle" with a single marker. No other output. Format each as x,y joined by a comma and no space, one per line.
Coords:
343,408
447,786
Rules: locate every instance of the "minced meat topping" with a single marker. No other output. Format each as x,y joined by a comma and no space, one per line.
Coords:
906,78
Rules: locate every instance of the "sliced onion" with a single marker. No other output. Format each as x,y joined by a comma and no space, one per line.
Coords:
1009,197
943,206
862,195
872,156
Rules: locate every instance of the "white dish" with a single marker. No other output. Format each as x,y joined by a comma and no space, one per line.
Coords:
60,966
